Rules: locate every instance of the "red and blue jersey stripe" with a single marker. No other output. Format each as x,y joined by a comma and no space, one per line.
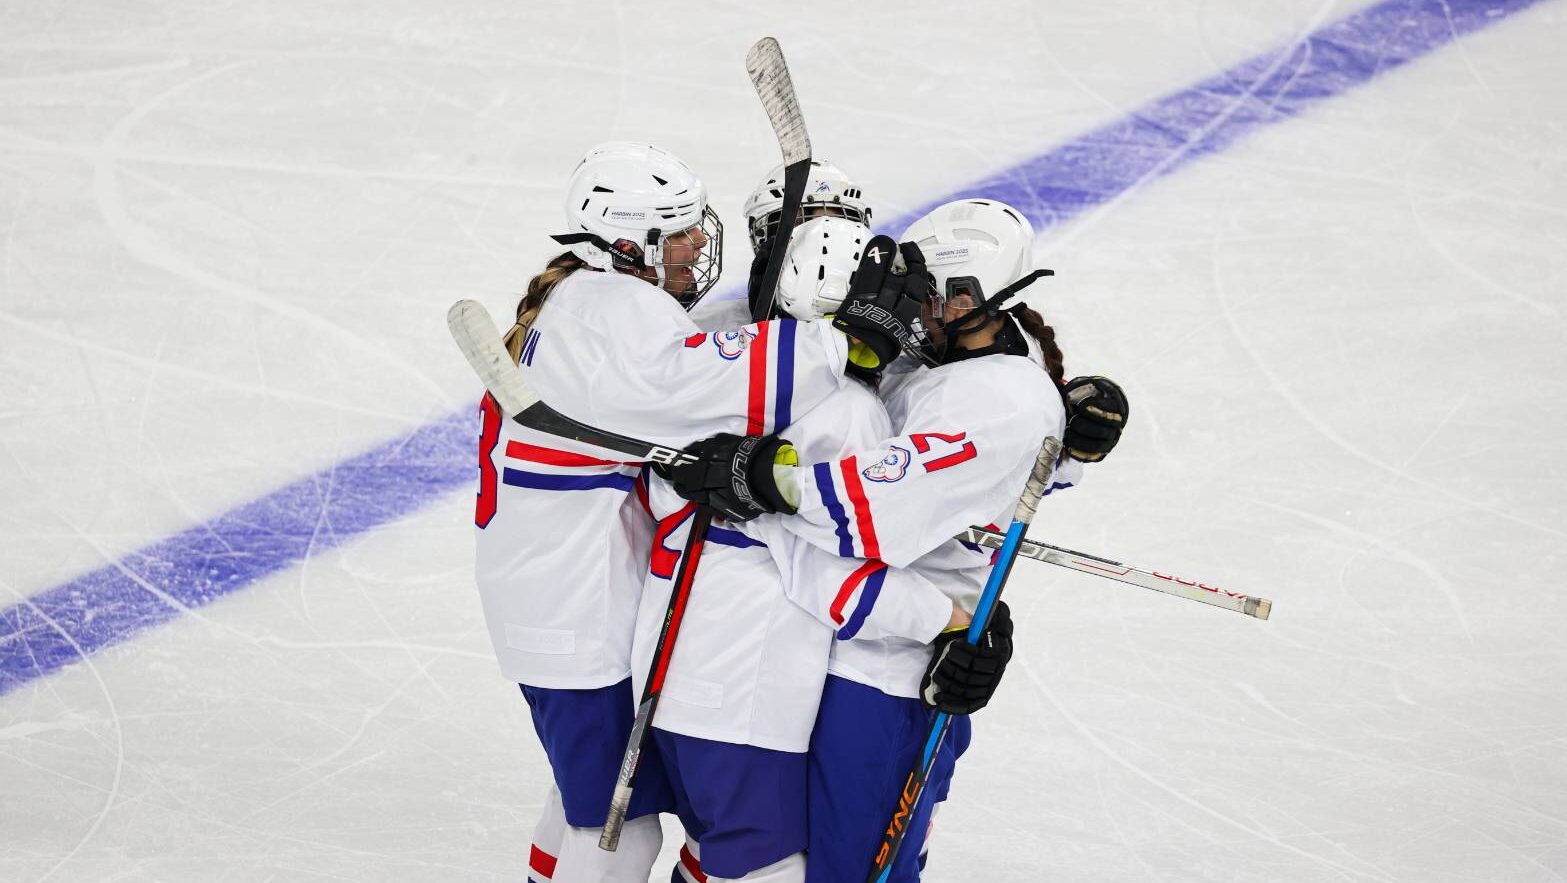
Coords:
868,580
771,361
856,535
783,397
770,351
666,558
617,479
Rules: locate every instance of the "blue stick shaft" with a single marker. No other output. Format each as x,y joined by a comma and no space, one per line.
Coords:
942,721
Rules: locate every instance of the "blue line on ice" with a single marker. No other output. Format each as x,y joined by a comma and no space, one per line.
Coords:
239,547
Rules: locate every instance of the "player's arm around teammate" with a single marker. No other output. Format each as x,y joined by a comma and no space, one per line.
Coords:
741,691
969,429
563,540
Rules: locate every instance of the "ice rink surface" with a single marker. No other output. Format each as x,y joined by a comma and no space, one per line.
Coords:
241,639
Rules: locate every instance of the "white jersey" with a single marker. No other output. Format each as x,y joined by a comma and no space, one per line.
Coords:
969,433
563,542
751,656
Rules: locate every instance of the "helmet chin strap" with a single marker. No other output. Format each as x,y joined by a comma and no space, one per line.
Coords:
653,254
1006,293
990,307
1009,337
627,256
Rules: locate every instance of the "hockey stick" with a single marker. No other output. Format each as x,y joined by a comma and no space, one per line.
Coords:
475,333
479,339
770,76
914,785
1093,565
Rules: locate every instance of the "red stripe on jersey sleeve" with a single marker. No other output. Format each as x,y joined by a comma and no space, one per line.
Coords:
862,508
551,457
756,404
846,590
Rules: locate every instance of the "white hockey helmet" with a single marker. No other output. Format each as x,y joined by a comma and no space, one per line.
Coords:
979,252
627,200
823,255
828,192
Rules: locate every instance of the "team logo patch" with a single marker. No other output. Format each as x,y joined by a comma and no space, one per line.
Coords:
732,344
890,468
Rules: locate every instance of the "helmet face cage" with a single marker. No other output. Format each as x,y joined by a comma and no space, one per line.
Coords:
764,228
704,266
933,338
829,192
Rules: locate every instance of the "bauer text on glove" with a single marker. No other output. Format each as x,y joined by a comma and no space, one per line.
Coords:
735,475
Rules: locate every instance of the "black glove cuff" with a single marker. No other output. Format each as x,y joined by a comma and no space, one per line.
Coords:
754,463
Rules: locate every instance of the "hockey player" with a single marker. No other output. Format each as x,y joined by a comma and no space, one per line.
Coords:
828,193
562,542
741,692
970,427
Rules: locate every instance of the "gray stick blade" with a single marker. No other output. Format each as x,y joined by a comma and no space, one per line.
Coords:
619,805
475,334
770,75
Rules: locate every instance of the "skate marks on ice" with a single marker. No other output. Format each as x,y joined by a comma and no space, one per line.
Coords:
1093,170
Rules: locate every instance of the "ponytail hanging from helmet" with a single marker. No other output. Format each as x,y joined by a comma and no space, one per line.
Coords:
539,288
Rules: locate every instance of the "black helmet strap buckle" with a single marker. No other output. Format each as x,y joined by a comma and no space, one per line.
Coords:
623,253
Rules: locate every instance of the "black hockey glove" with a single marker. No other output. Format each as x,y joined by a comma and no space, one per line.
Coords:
961,676
753,286
733,474
1096,412
883,307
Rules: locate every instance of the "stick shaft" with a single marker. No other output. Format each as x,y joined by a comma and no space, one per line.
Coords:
914,784
1093,565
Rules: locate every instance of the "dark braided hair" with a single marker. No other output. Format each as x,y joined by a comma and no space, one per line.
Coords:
539,288
1034,324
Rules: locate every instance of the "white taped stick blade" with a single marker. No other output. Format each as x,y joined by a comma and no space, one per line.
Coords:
480,341
770,75
1038,480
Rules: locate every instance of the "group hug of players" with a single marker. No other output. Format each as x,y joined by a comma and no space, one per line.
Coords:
842,447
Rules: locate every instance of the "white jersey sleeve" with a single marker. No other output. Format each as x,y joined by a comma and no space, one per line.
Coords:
849,595
617,353
861,599
970,433
752,655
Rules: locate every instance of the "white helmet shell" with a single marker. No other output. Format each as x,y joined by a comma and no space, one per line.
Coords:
982,240
828,192
632,197
623,189
823,255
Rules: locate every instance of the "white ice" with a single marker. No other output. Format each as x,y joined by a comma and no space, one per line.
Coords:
228,235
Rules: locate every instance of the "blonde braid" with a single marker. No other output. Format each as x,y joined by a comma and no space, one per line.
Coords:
539,288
